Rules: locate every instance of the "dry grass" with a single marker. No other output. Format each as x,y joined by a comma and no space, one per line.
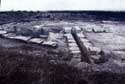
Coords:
17,67
21,68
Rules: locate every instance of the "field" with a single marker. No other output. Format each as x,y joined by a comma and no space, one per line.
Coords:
44,49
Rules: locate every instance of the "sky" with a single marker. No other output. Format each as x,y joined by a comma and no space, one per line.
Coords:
44,5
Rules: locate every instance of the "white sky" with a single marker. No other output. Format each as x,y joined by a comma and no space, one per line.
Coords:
63,5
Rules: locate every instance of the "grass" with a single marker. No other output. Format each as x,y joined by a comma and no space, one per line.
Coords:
24,66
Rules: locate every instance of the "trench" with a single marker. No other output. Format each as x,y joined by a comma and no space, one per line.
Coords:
85,55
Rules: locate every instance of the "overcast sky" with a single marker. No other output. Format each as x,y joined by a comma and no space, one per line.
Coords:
63,5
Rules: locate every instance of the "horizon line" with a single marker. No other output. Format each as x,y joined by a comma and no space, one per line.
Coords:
63,10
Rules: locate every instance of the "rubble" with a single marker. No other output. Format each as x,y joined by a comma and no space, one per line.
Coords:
43,36
67,29
9,35
2,32
84,40
77,29
36,40
24,38
72,44
72,48
69,36
81,35
71,41
96,37
49,43
94,50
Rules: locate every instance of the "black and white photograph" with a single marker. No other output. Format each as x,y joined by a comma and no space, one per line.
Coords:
62,41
